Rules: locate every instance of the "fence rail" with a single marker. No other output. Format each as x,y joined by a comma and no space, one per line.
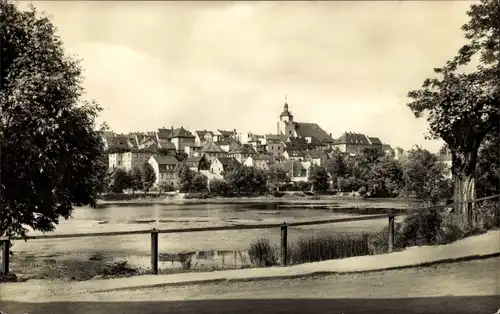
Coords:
5,241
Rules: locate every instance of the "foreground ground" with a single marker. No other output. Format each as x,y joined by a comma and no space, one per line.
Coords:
465,287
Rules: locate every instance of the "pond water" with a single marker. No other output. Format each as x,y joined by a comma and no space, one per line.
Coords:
228,247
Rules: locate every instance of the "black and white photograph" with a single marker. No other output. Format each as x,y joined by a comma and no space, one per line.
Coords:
249,157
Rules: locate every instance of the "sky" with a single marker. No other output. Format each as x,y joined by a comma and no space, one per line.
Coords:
347,66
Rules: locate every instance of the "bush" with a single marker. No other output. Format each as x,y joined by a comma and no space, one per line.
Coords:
378,243
278,194
262,254
421,227
488,215
362,191
451,229
219,187
316,249
197,196
303,186
433,227
119,268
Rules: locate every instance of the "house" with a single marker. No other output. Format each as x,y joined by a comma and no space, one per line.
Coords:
210,150
136,158
167,148
355,143
312,133
117,146
192,151
387,149
316,157
275,144
247,137
295,170
229,145
222,164
203,136
242,153
105,135
165,168
298,144
163,134
182,138
198,163
223,135
295,155
261,162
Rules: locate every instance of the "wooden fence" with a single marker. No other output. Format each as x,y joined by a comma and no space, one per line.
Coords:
5,241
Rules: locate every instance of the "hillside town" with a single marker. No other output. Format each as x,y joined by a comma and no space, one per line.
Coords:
293,147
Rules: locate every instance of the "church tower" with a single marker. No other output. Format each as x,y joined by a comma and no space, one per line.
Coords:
286,124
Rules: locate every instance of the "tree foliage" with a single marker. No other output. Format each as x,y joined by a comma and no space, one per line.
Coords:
336,167
51,153
148,177
165,186
246,180
120,181
462,107
425,177
200,182
319,178
488,167
136,179
218,187
385,177
278,176
185,177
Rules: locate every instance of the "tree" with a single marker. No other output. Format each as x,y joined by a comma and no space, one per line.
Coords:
385,177
488,167
185,176
165,186
181,156
51,152
136,179
200,182
463,107
245,179
319,178
336,167
120,181
278,176
218,187
425,177
148,177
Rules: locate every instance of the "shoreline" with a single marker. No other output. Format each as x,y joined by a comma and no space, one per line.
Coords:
286,200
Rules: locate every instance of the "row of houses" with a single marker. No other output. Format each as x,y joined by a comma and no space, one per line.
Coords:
166,167
294,147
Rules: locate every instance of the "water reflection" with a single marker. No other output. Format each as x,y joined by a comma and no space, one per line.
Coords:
199,260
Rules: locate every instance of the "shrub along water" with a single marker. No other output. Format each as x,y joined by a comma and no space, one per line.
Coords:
421,227
320,248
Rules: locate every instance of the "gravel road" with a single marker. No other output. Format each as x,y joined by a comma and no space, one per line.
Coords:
467,287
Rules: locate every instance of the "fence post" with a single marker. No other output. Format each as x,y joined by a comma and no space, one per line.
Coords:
284,244
5,242
470,216
154,251
391,233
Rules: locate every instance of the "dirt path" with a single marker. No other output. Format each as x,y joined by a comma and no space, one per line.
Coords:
467,287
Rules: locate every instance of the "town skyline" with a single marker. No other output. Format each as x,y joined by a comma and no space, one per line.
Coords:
229,65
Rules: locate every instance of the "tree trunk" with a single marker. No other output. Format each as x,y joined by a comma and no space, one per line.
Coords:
464,185
464,193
